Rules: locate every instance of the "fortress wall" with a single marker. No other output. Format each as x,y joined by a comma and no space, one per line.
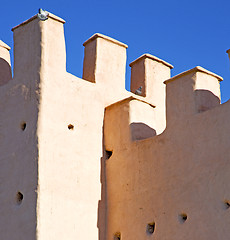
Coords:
150,72
196,90
70,145
176,180
71,148
55,161
65,115
19,106
84,158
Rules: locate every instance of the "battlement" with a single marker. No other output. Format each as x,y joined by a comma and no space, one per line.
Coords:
193,91
80,153
105,64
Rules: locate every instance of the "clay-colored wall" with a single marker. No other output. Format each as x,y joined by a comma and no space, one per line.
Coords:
185,170
19,104
91,159
57,168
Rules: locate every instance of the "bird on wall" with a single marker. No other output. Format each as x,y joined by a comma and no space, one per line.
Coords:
139,91
42,14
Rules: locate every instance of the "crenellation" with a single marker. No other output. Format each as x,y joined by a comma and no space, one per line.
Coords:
150,72
27,51
190,92
105,62
41,44
128,120
90,160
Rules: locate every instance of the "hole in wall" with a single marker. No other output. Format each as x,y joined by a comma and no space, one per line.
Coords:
150,228
227,204
19,198
70,127
183,217
108,154
117,236
23,126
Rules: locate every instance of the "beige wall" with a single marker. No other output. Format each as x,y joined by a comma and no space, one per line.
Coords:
19,105
185,170
60,162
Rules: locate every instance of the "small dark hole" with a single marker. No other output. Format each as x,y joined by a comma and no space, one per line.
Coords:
227,204
108,154
19,198
23,126
117,236
150,228
70,127
183,217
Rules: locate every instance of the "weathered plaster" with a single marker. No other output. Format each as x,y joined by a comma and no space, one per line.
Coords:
85,159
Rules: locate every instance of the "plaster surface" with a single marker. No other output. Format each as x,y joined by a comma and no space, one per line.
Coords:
82,158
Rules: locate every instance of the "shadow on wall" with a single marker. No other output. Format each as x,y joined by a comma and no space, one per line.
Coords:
205,100
5,72
140,131
102,204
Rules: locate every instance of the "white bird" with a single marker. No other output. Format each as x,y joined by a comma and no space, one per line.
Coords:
139,91
42,14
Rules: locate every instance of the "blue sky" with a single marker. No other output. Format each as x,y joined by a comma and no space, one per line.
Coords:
183,33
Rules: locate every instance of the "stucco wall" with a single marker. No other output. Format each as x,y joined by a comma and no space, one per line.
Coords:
85,159
177,180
